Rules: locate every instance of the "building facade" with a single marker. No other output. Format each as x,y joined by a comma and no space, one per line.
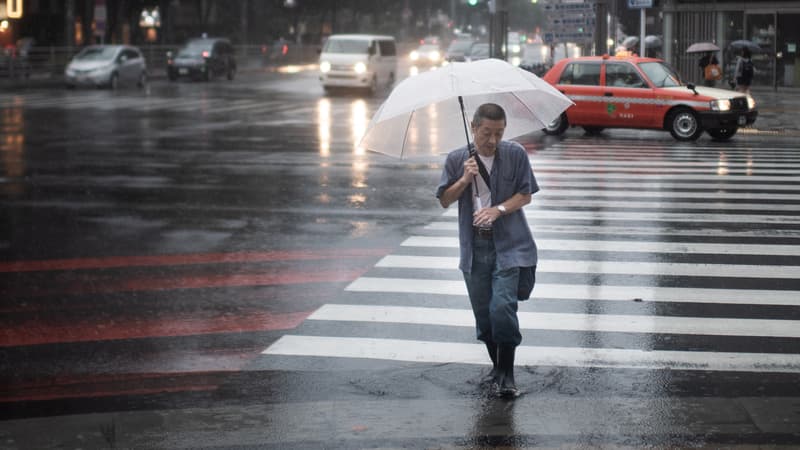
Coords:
770,28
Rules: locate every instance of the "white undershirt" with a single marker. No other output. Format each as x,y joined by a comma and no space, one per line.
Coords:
484,191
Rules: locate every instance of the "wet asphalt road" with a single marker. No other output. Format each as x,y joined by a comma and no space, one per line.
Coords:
218,265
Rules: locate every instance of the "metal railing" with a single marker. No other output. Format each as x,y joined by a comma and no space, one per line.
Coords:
42,62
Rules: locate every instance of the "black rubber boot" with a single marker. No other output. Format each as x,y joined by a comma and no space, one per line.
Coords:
505,364
491,347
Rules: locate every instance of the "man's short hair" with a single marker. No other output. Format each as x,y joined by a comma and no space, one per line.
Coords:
489,111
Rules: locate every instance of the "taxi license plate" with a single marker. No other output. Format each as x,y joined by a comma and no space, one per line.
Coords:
184,71
742,120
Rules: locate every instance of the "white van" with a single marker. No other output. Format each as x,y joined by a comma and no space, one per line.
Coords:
358,60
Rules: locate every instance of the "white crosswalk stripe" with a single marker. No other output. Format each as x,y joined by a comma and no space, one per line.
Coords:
650,241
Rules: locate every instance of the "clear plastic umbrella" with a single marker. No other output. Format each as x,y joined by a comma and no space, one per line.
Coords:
702,47
427,114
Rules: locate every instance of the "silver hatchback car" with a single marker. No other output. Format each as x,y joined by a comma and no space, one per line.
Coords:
106,66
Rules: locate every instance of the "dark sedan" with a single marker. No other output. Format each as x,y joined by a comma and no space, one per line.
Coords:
203,59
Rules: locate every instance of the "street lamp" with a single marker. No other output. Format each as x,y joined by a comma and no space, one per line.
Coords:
150,19
14,9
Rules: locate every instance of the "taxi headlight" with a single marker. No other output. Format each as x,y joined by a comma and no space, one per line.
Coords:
414,55
721,105
324,67
751,102
360,67
434,56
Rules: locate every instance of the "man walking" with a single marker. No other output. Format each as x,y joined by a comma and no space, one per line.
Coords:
492,184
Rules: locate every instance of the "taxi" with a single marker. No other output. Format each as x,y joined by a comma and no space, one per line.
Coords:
629,91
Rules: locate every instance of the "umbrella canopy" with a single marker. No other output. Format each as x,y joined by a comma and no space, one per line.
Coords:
650,41
740,44
422,115
701,47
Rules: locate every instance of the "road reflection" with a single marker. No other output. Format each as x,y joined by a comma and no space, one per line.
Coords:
324,126
495,424
12,150
358,120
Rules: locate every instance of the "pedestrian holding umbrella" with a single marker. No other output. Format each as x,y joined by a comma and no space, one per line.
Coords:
497,251
423,115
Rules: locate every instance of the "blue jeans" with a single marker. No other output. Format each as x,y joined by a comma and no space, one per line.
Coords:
493,295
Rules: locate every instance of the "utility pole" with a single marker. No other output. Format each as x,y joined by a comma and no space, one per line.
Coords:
243,14
601,27
69,24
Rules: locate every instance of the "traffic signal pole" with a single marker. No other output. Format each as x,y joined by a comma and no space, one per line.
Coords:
498,29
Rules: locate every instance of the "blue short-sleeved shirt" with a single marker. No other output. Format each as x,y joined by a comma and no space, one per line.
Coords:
511,174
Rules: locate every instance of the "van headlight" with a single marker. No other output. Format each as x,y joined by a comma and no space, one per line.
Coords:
360,67
751,102
324,67
721,105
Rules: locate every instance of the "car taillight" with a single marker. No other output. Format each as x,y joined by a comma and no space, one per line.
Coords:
205,54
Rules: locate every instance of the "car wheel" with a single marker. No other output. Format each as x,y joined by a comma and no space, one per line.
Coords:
231,72
558,126
722,134
373,86
172,76
593,130
113,82
390,84
684,125
142,80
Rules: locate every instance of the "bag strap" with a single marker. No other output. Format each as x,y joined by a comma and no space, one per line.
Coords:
482,170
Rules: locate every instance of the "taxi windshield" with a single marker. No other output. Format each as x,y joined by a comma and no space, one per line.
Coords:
661,74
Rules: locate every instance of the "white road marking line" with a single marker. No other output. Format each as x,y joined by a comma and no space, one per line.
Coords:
589,292
534,214
603,191
654,230
626,246
663,203
565,321
635,186
610,267
460,353
605,163
707,178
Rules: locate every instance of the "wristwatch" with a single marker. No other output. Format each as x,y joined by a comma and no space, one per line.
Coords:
502,209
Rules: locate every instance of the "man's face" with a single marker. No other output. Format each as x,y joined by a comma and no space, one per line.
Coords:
488,134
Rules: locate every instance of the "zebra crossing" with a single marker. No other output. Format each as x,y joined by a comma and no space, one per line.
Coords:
637,245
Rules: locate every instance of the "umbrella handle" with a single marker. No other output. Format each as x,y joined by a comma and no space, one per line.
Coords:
469,146
464,119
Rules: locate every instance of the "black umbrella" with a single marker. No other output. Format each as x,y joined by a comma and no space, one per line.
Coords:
750,45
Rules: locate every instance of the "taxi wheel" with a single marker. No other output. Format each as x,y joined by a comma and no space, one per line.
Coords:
722,134
593,131
684,125
113,82
558,126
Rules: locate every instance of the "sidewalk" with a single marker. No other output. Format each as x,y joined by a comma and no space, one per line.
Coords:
778,111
